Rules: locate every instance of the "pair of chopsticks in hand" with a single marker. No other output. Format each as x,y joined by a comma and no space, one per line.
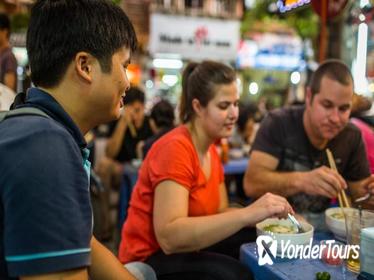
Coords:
342,197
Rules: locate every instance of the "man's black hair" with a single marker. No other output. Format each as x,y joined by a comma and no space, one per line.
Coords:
4,21
246,112
134,94
163,114
59,29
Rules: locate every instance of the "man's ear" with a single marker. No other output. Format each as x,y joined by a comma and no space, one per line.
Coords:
83,65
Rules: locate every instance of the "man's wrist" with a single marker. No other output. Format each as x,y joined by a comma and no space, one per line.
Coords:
296,182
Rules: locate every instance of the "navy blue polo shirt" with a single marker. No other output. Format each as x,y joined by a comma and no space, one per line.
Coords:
45,211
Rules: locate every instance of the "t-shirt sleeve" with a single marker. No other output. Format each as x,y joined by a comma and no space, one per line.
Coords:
173,161
269,136
47,213
10,64
358,166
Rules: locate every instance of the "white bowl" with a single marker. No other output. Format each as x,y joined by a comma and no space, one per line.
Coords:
336,224
294,238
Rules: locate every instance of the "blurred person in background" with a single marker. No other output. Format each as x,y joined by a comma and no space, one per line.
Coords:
246,127
363,118
240,143
46,214
6,97
289,158
161,120
179,221
132,127
8,62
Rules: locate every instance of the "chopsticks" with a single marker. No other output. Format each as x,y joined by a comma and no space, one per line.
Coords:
343,200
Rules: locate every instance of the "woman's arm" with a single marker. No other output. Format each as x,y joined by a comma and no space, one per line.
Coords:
176,232
224,203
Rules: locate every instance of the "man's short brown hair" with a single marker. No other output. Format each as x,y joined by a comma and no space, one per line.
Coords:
333,69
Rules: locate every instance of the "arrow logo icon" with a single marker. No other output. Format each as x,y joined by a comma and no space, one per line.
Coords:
266,249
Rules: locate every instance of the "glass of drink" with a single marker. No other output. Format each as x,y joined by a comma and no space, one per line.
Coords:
355,221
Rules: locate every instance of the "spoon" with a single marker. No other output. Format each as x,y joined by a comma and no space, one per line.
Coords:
296,223
363,198
359,201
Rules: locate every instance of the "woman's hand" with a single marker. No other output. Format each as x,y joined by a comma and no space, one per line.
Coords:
267,206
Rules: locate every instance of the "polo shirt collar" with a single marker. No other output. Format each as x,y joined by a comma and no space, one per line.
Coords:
45,102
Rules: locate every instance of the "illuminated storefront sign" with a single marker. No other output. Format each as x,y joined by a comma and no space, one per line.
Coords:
287,5
270,51
194,37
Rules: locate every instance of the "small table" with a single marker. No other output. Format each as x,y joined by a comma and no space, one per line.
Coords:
236,166
295,269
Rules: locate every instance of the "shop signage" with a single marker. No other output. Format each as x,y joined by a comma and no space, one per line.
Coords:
270,51
194,37
288,5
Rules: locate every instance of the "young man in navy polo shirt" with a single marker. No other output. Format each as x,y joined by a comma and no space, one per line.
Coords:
78,52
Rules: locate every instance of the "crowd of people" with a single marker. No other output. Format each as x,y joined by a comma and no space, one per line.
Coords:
180,224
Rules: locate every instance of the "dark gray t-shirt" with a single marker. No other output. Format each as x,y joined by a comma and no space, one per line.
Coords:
282,135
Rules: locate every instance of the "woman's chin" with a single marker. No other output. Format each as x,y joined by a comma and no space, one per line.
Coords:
229,131
225,134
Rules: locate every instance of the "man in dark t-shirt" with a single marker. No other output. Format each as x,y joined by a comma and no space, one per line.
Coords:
288,156
127,150
132,128
126,133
